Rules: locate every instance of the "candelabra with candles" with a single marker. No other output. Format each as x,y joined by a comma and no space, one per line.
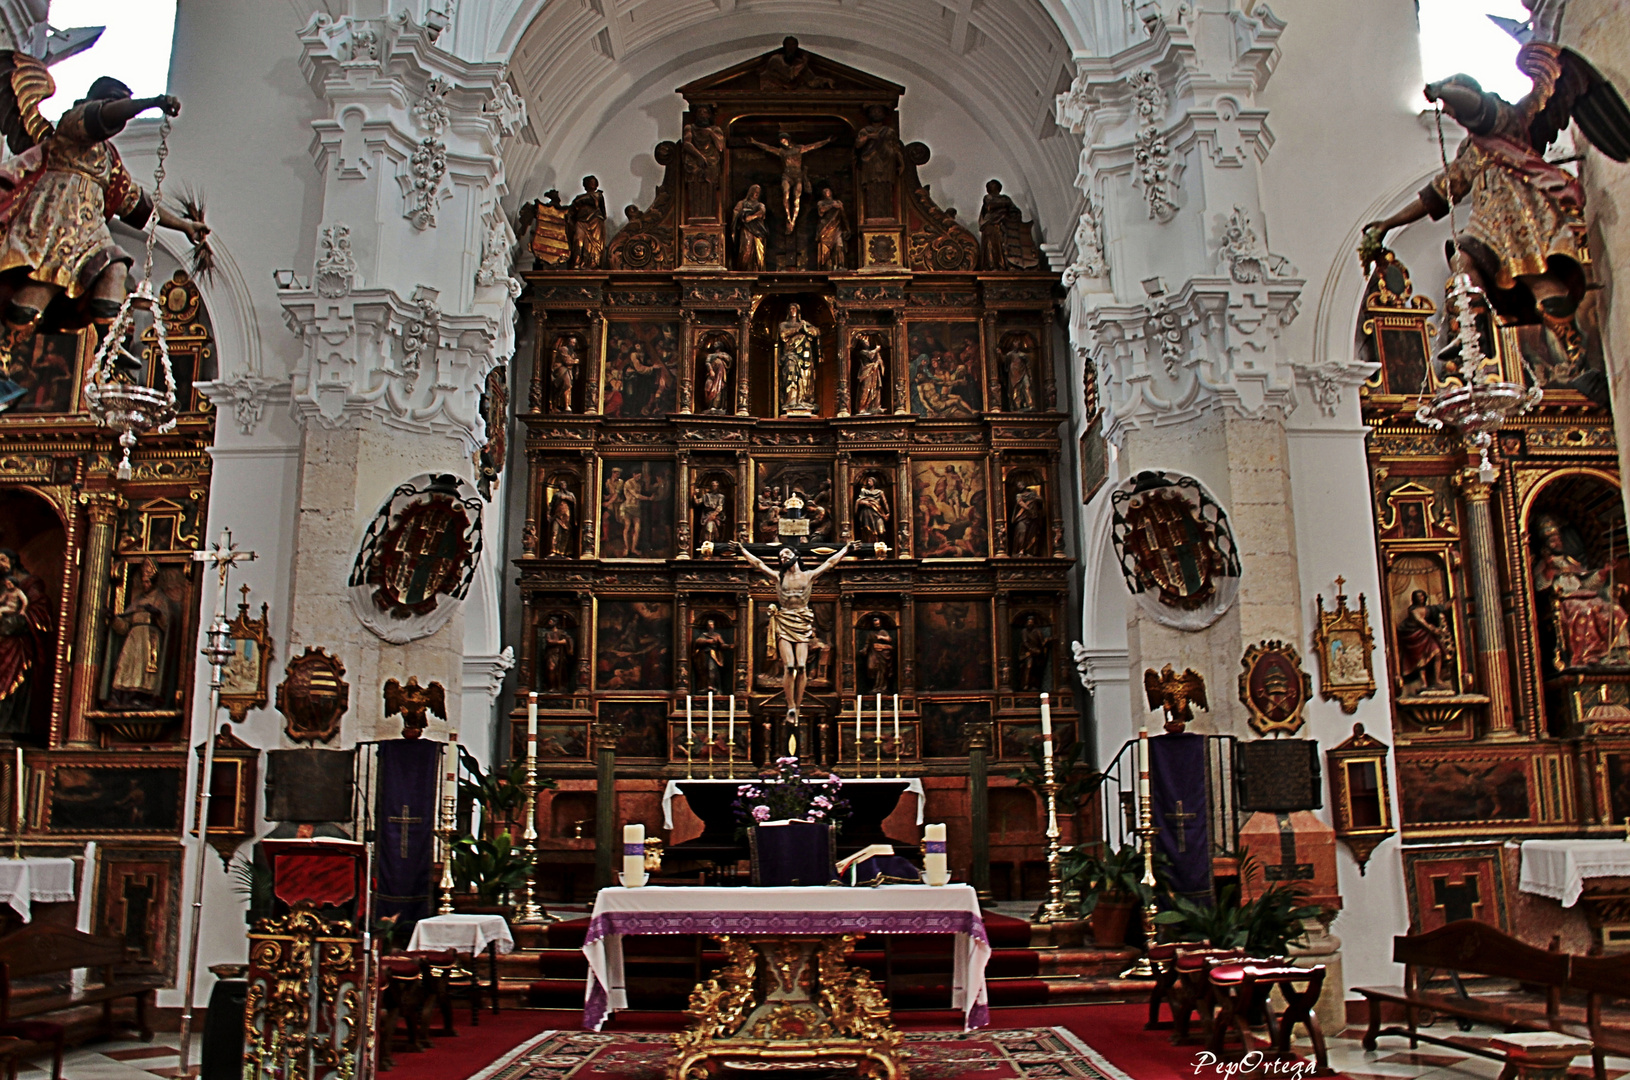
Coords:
449,826
531,911
1053,909
1142,968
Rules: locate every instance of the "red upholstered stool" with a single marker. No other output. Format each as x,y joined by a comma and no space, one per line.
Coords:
1190,993
1161,958
21,1038
1240,987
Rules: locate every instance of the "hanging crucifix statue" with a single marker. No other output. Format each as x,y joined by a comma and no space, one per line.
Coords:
792,620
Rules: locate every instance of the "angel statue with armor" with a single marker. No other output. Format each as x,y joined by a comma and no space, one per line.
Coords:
56,198
1524,242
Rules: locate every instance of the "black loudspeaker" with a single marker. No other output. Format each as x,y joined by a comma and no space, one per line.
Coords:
222,1057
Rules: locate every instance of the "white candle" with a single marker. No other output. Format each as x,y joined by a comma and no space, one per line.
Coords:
633,856
1046,718
1143,762
880,722
896,723
936,870
690,731
730,724
859,716
450,790
532,717
710,718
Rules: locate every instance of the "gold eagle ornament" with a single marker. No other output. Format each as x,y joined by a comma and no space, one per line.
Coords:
412,702
1175,694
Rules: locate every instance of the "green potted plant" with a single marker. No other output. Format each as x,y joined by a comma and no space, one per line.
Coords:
1073,770
500,794
1265,927
487,872
1111,889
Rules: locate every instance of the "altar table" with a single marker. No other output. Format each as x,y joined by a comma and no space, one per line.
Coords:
471,934
24,882
789,911
1558,868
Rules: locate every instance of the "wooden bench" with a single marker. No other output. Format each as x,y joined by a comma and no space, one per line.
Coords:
36,965
1470,948
1602,978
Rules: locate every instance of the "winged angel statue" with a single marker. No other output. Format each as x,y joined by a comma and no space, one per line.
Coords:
56,198
1524,242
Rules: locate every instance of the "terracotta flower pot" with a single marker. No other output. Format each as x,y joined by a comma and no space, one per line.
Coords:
1110,918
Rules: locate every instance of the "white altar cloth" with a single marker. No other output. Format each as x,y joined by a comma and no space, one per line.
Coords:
913,785
466,933
820,909
24,882
1558,868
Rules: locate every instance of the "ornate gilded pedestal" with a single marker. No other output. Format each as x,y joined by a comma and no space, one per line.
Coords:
304,1016
788,1002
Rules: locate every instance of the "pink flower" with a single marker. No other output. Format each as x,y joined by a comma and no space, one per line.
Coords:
761,813
822,801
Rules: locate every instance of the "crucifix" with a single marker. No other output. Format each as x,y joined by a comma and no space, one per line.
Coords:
405,820
1182,817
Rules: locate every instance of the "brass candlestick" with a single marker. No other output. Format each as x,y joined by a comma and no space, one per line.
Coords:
531,911
1052,910
689,743
448,831
1142,968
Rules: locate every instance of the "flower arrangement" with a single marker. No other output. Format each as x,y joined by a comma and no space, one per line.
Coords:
790,795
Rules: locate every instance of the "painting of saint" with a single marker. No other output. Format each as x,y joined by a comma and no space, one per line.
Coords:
241,672
633,647
945,726
642,368
642,727
954,645
115,798
145,635
637,510
946,373
950,509
1463,790
45,383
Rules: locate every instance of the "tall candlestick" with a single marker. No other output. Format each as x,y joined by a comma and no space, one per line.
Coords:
532,717
690,730
1046,718
897,723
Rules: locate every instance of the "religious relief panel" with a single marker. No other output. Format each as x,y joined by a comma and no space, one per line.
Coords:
32,555
954,645
950,511
823,659
633,645
1578,566
642,368
807,486
947,378
636,509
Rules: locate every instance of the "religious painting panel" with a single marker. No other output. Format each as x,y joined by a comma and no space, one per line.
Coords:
870,354
1458,790
558,387
951,518
1447,884
641,368
823,658
876,638
32,556
1016,740
45,379
103,795
633,645
1093,462
1415,507
954,645
1031,645
1018,361
149,628
1430,653
712,649
1616,776
562,740
872,503
1024,497
1575,532
712,506
245,674
800,167
636,509
947,377
947,722
780,482
715,367
556,649
560,536
1393,331
642,727
138,902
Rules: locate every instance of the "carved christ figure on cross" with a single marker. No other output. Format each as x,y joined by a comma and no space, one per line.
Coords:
793,180
792,621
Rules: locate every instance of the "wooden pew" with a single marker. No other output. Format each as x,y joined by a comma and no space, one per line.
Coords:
36,965
1602,978
1470,948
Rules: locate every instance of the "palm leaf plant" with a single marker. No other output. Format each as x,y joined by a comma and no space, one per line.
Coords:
1263,927
491,868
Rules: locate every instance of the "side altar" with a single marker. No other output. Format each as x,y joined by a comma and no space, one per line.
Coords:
793,347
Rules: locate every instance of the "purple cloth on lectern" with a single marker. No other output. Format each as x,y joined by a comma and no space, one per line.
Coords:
1177,775
406,816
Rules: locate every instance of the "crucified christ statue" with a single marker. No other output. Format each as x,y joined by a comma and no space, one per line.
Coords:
793,181
792,622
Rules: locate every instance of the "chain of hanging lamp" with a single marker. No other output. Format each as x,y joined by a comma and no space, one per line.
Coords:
114,399
1485,400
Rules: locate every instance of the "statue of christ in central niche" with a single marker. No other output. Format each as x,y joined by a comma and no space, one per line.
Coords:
798,347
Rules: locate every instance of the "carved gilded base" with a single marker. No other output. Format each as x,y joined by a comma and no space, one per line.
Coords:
783,1002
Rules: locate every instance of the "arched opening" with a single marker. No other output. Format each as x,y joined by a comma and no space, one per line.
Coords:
33,552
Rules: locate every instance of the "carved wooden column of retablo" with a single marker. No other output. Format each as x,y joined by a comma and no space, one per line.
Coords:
844,354
1484,569
979,736
1055,504
95,575
744,376
682,673
682,518
1004,644
687,363
844,504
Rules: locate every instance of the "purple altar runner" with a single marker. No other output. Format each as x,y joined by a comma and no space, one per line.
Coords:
887,909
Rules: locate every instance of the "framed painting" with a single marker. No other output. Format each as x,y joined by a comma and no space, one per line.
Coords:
108,797
558,740
47,381
1460,791
633,645
642,727
949,498
1016,738
637,509
946,722
243,676
641,368
954,645
947,376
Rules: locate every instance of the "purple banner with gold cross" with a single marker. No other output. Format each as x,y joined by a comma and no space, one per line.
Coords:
406,822
1177,775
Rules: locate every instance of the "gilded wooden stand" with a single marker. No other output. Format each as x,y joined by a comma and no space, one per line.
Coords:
771,1005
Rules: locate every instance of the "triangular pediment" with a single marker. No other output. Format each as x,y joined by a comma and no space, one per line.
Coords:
796,74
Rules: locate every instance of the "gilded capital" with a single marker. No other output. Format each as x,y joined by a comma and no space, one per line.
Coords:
102,506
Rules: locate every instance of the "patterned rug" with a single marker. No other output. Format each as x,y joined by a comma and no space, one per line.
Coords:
1012,1054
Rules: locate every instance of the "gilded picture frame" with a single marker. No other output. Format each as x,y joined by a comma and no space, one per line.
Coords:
246,673
1360,795
1345,646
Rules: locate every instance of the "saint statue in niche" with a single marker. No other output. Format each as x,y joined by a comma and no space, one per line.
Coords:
881,162
877,656
710,659
869,376
831,232
557,670
703,147
143,631
717,378
1016,362
798,346
586,226
747,221
871,512
1425,642
710,513
25,629
562,515
1028,522
1591,622
1035,646
563,367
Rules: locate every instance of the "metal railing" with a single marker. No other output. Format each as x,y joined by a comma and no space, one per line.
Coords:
1118,795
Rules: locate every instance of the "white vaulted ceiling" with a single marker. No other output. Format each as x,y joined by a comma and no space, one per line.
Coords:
980,75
